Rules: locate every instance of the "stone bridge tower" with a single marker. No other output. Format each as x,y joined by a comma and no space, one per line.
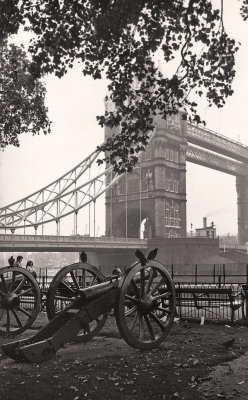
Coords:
242,200
152,198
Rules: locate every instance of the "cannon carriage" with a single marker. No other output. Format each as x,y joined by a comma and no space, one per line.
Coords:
143,300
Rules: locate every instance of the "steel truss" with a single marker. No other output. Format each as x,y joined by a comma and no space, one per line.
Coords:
66,195
208,139
207,159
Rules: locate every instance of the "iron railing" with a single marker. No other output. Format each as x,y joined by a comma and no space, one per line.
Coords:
214,281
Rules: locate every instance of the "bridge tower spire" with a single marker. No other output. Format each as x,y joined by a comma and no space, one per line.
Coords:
153,197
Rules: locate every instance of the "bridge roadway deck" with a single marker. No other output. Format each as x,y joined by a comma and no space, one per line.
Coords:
42,243
213,141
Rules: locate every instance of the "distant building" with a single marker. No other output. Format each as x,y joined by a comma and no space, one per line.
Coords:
206,231
229,240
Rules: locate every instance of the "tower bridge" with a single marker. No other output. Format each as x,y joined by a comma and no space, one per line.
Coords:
152,197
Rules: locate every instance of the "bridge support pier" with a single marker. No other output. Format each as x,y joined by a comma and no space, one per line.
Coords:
242,200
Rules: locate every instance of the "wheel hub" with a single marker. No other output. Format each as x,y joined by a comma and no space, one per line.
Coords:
10,301
147,305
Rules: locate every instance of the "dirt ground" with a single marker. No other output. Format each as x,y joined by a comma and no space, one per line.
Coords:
192,364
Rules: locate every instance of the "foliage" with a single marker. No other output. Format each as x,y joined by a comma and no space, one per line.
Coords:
22,96
120,38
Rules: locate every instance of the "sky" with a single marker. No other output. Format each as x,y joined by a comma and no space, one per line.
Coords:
73,103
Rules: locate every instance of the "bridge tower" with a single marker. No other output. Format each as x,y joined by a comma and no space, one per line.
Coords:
150,202
242,200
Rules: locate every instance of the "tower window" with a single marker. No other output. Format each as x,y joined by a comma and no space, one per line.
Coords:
133,186
171,185
172,218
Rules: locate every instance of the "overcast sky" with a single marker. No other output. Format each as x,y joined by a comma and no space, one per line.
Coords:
74,101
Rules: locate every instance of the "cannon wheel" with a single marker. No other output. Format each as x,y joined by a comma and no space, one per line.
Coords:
61,293
146,305
20,300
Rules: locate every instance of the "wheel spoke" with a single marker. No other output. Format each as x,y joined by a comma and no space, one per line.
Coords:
4,283
150,328
157,285
13,281
162,296
132,298
24,311
141,328
26,291
20,285
158,321
67,287
135,287
8,321
83,278
134,322
74,279
142,282
94,280
2,316
17,318
130,311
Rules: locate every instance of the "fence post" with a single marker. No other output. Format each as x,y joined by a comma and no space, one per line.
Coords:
219,280
43,283
247,274
195,274
172,271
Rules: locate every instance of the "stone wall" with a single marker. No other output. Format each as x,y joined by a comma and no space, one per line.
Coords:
171,251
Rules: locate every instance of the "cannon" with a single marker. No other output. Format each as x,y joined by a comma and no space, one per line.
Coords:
143,300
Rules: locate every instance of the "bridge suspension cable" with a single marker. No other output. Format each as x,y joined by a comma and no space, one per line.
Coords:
64,196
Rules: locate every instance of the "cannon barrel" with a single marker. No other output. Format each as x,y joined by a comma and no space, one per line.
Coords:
93,292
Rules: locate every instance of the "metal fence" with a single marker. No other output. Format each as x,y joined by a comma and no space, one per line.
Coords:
216,292
226,303
221,290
